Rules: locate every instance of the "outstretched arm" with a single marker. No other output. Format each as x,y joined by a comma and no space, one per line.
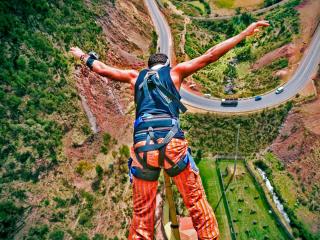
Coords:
128,76
185,69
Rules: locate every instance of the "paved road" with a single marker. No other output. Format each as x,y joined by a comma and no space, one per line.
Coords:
303,74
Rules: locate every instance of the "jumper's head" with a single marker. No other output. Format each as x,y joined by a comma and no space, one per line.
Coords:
158,58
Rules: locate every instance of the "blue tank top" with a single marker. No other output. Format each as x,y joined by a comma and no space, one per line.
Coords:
152,104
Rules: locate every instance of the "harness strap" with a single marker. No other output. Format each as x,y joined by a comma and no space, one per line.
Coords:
171,134
156,146
149,137
162,154
169,95
144,124
153,77
169,160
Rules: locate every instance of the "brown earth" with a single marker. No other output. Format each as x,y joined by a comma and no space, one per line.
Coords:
298,147
128,37
309,11
286,51
300,138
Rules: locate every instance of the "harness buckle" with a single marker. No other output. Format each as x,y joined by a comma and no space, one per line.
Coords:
151,133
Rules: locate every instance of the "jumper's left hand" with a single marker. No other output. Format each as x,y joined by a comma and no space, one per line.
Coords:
76,52
254,27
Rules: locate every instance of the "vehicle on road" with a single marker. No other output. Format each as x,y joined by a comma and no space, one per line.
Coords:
257,98
229,102
207,95
279,90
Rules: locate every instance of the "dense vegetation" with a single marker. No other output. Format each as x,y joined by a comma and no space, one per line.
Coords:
234,69
193,7
212,134
268,3
38,101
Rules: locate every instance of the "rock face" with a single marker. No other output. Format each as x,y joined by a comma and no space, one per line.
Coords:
298,143
127,28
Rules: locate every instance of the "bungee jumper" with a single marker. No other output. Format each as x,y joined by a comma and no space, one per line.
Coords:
159,143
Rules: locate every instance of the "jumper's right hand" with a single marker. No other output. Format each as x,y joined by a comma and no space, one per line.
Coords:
76,52
254,27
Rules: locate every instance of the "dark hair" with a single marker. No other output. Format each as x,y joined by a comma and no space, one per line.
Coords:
157,58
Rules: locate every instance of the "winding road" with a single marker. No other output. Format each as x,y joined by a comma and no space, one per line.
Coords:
303,74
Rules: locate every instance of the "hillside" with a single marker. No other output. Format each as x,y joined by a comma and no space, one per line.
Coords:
258,64
293,158
65,131
57,176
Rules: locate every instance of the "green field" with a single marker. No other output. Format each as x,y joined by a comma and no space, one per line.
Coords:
224,3
249,211
211,185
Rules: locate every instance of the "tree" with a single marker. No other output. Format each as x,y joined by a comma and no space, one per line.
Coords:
9,216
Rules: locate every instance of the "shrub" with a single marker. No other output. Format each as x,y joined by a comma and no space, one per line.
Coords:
60,203
38,232
98,236
99,171
82,167
85,217
216,134
108,141
82,236
10,214
56,235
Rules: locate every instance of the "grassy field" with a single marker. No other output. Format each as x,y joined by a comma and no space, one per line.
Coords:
250,213
234,4
211,185
198,5
224,3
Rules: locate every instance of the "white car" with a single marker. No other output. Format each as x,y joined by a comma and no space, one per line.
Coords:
207,95
279,90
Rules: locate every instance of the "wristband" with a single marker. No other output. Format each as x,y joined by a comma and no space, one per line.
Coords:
89,62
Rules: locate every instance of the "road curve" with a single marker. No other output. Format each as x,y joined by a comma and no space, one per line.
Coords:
303,74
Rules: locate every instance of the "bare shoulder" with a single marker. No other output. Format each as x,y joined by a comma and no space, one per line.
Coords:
176,76
133,76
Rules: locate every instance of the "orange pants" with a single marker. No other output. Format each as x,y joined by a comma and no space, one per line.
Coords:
189,185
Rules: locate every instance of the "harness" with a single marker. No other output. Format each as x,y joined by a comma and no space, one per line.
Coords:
149,125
